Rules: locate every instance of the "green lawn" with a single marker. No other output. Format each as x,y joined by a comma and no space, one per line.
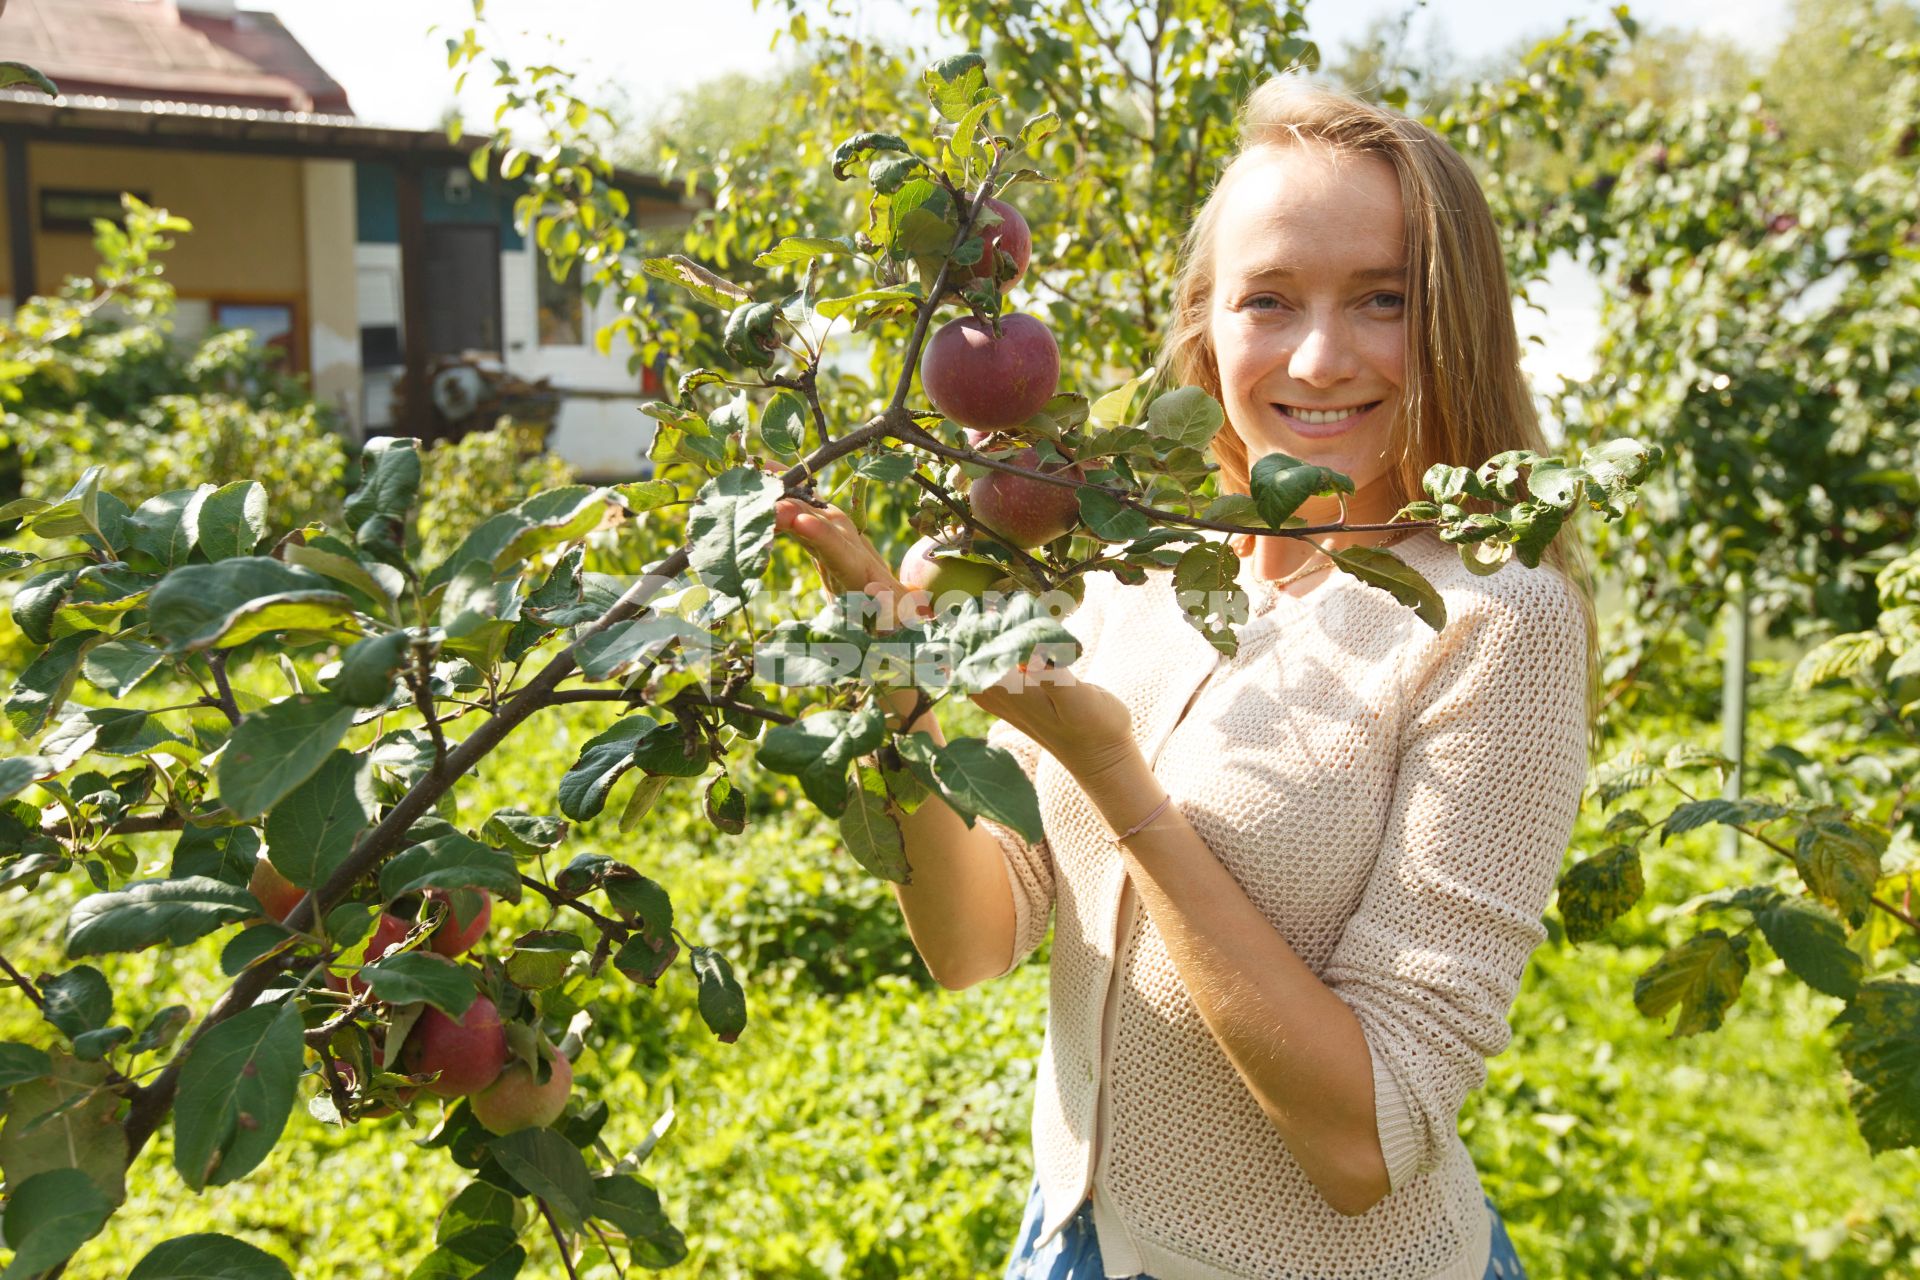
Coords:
868,1124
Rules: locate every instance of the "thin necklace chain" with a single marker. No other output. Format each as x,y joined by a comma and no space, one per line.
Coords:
1314,565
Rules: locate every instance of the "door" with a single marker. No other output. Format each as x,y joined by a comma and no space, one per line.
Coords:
462,284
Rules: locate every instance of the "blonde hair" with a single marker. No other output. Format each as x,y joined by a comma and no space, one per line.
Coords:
1465,397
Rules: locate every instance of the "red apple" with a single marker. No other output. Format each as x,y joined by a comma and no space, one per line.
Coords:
468,1054
452,936
514,1101
941,577
1010,236
388,932
277,895
991,383
1026,512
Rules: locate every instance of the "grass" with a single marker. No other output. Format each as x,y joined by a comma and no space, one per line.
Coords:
869,1125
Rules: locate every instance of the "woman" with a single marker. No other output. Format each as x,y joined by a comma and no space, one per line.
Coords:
1293,891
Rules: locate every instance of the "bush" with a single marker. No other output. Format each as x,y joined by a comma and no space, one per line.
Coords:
462,481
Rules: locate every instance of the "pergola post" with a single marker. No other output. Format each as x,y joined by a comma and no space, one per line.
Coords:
20,221
419,418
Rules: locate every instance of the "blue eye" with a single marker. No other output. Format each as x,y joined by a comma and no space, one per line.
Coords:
1261,302
1389,301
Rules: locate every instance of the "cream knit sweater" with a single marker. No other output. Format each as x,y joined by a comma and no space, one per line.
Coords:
1396,802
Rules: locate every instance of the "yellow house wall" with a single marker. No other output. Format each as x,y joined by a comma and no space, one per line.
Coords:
248,215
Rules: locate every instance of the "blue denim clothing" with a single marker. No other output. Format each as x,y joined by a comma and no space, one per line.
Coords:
1074,1254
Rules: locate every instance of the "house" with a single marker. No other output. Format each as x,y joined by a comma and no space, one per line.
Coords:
365,253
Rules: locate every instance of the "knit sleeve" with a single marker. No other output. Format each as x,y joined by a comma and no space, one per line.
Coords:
1493,759
1030,866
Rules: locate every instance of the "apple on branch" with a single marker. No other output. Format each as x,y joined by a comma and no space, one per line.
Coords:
1010,237
1026,512
991,382
517,1101
457,932
468,1053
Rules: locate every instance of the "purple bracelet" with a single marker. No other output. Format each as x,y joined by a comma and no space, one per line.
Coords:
1141,825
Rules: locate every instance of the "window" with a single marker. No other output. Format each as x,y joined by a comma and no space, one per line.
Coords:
563,311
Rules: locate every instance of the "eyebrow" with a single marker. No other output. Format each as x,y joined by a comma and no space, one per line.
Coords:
1366,273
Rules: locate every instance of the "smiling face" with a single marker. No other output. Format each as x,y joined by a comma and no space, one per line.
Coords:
1308,320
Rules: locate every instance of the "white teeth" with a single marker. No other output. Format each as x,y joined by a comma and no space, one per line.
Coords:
1315,418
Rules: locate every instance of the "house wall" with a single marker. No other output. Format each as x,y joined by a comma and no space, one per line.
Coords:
248,214
332,296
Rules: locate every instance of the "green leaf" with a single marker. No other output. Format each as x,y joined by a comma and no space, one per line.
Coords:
920,220
723,1005
632,1207
162,1029
1850,656
1385,570
276,749
256,942
117,666
236,1091
730,534
231,520
1880,1045
703,284
368,668
818,749
202,606
624,647
1597,891
523,834
38,599
481,1253
548,1166
78,1001
226,854
892,299
16,73
986,644
783,424
311,832
41,690
954,84
94,1046
21,772
389,482
1839,860
20,1063
636,741
640,800
1186,416
861,145
798,250
416,976
158,529
539,959
66,1121
981,780
726,805
207,1255
1813,946
1281,484
49,1216
1107,519
870,832
1038,129
750,338
451,861
151,912
1702,975
478,1204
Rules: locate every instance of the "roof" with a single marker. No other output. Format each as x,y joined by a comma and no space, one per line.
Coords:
150,49
80,119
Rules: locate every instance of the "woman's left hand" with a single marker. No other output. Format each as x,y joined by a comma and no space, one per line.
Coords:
1085,728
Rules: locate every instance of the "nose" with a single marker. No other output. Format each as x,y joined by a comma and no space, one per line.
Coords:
1324,353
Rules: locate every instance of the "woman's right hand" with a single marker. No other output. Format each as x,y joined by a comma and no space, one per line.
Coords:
846,560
